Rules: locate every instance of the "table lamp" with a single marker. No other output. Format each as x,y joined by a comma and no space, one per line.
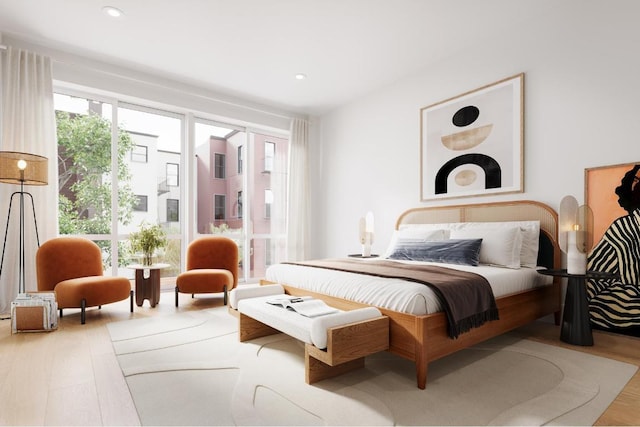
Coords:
366,234
575,234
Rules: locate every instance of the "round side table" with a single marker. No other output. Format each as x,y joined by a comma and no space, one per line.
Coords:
148,282
576,324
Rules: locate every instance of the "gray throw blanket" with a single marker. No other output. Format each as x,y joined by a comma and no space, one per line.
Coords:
467,298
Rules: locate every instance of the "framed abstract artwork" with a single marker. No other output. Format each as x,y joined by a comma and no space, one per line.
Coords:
600,195
472,144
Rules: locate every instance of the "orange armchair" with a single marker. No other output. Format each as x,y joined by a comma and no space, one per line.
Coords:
212,267
72,268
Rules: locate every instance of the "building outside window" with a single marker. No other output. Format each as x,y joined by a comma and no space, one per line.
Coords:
239,204
173,170
139,154
267,253
173,210
268,201
269,156
220,201
220,166
240,159
141,204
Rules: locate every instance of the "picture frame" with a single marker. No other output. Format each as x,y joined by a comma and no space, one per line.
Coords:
472,144
600,195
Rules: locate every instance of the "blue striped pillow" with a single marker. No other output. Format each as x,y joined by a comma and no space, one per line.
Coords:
453,251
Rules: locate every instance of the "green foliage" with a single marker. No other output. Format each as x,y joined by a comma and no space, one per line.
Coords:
147,240
222,228
84,159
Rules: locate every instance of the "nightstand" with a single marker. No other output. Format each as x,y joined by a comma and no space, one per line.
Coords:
576,324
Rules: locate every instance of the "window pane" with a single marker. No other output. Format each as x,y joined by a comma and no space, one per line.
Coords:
220,160
220,208
173,172
158,179
173,210
269,155
84,171
214,146
269,203
141,204
139,154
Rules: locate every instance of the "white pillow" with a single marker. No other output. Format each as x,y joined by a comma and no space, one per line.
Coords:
418,234
500,246
530,231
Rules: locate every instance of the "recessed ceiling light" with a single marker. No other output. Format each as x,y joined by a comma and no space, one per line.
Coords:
301,76
114,12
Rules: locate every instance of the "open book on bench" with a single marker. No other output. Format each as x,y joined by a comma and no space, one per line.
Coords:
306,306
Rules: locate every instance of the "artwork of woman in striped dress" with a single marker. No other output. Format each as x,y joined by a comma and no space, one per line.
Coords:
615,303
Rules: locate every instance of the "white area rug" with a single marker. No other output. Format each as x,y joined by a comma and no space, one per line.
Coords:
190,369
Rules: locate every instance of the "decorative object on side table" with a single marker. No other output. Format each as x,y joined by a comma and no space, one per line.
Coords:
366,234
575,234
147,241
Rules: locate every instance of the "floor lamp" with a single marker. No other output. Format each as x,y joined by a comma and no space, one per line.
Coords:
23,169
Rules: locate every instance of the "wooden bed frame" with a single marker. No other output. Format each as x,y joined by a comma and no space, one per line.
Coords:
424,338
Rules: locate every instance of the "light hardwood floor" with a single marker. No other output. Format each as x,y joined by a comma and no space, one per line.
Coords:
71,376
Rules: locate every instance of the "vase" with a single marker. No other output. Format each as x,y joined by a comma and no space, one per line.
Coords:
147,259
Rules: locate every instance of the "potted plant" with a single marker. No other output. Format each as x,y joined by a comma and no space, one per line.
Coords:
147,240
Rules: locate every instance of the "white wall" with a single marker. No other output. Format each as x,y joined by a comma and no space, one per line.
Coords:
581,110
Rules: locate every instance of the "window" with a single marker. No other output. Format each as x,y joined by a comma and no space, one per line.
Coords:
220,160
141,204
172,174
226,206
173,209
139,154
268,201
220,201
105,198
269,154
267,253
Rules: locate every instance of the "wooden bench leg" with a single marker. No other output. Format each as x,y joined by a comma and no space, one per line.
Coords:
250,328
315,370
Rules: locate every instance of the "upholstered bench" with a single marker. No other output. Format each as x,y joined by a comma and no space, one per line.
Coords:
334,343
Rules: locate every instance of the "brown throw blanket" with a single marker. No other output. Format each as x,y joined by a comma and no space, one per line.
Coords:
467,298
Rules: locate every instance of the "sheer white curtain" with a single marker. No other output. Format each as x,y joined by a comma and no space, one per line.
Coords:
298,215
27,121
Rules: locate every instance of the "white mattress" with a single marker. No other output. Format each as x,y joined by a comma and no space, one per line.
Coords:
396,294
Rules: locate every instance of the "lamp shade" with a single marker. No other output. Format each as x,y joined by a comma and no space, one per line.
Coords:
23,168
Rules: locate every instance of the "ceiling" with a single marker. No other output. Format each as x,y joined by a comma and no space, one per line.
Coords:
254,48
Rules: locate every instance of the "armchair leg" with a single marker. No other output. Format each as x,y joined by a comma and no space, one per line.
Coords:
176,296
60,312
224,290
83,306
131,301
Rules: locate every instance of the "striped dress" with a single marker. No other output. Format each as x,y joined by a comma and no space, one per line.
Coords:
615,303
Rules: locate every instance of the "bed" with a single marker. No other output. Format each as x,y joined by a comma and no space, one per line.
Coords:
420,332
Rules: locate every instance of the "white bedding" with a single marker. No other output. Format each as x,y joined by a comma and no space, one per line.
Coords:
395,294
